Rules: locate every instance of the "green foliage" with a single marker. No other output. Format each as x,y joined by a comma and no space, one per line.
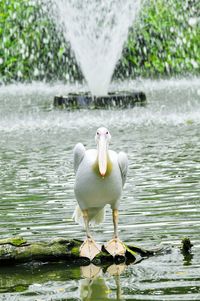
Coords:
166,41
29,45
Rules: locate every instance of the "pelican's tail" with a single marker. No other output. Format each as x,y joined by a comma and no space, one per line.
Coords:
96,216
78,216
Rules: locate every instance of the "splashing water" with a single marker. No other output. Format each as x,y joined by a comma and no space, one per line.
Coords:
96,30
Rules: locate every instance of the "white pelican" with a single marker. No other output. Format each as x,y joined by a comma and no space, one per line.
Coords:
100,177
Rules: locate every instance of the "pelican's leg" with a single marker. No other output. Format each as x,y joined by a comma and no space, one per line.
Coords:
115,222
89,247
86,221
115,246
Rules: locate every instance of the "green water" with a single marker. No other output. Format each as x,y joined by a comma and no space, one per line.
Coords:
160,202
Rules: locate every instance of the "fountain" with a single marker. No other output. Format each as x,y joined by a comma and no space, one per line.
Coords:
96,31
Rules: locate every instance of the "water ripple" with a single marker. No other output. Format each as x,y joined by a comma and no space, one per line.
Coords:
160,202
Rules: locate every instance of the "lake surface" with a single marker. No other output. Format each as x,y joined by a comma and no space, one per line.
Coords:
160,202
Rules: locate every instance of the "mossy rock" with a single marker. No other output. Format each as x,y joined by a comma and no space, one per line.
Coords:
14,241
17,250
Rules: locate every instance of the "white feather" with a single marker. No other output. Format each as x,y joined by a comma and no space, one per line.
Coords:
96,217
123,165
79,153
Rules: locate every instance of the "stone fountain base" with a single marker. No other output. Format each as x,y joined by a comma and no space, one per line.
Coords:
112,100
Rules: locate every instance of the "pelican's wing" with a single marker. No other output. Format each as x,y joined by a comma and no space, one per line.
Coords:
123,165
79,153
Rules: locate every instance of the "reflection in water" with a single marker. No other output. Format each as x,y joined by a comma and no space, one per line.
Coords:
56,279
94,286
187,259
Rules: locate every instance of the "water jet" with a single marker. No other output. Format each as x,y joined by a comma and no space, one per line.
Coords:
97,31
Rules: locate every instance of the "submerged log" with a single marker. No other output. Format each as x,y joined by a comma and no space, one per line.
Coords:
18,250
112,100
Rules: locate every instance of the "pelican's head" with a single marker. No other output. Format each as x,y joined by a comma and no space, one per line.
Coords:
102,139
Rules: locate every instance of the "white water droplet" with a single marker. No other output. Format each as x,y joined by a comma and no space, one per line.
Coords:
97,31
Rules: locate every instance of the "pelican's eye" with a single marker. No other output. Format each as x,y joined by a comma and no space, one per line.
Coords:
98,133
106,133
